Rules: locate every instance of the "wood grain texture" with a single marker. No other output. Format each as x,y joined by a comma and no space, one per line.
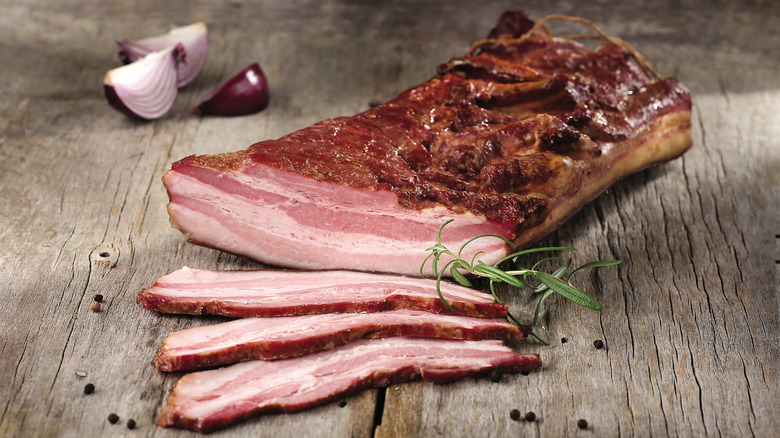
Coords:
690,323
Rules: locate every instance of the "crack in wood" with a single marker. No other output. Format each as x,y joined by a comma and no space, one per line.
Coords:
146,201
379,408
663,411
74,318
628,316
748,327
702,415
750,398
62,247
16,373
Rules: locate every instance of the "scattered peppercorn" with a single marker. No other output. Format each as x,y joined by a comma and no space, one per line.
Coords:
496,375
131,424
525,373
582,424
342,403
514,414
99,298
89,388
113,418
598,343
530,416
95,306
564,340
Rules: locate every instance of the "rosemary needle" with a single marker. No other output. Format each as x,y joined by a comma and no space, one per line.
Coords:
556,282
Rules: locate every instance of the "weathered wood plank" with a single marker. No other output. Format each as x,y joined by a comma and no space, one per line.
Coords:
689,322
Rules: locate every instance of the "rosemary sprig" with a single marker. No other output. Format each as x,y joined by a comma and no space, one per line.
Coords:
556,282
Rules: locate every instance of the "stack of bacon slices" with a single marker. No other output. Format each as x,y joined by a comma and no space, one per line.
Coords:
511,140
302,339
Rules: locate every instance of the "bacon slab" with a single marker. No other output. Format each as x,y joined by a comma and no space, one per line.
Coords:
282,337
205,401
288,293
511,139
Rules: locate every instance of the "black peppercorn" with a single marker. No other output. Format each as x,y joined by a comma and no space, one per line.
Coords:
582,424
113,418
564,340
598,343
496,375
99,298
514,414
342,403
89,388
131,424
530,416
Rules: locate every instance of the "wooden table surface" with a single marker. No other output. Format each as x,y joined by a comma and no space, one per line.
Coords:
690,323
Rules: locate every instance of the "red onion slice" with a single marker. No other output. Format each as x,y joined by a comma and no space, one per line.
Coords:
245,93
146,88
193,37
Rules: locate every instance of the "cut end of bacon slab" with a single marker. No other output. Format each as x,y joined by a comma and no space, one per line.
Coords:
286,219
283,337
288,293
209,400
511,139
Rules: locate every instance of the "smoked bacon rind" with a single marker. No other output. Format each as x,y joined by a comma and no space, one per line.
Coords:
511,139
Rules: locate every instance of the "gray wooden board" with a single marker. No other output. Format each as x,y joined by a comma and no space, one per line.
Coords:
690,321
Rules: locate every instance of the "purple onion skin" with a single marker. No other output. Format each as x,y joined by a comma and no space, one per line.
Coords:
245,93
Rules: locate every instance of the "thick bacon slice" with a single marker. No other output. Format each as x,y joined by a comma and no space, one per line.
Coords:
511,139
288,293
208,400
282,337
